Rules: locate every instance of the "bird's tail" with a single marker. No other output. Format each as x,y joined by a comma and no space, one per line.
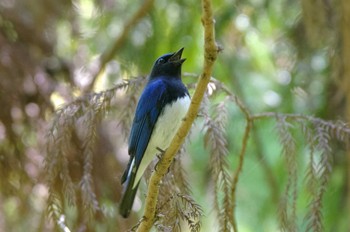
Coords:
128,199
130,190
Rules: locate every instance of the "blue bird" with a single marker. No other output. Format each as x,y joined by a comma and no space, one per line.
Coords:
159,112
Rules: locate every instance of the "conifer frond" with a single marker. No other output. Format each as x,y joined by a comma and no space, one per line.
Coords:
337,130
88,144
192,212
175,205
56,164
55,206
177,208
313,217
318,134
72,136
216,142
288,202
319,177
68,185
179,173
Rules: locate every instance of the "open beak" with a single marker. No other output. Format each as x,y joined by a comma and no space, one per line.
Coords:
176,57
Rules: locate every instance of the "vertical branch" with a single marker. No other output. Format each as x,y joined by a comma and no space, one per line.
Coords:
210,55
248,128
239,169
270,178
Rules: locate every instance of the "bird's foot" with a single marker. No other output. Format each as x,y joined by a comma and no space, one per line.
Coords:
160,150
159,156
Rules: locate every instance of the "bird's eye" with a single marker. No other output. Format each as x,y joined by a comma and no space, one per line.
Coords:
161,61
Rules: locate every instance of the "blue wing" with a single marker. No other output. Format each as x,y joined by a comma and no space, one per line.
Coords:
148,109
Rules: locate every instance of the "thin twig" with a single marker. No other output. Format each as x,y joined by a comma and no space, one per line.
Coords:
240,166
210,55
344,127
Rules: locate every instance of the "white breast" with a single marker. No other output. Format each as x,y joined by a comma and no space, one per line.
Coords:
165,129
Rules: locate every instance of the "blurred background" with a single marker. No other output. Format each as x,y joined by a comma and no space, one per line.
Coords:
278,55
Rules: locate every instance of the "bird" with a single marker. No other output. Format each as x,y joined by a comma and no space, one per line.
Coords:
160,110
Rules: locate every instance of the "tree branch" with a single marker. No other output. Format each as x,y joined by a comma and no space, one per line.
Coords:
108,55
240,163
210,55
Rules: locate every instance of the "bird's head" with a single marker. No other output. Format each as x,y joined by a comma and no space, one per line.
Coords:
168,65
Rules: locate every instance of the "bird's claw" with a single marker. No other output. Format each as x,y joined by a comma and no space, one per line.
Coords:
159,156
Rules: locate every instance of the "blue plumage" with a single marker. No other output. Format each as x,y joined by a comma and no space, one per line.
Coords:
161,107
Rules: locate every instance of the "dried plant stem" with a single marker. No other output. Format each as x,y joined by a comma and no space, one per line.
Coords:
338,127
240,166
210,54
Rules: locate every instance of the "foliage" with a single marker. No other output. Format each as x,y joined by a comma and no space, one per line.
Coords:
68,94
175,202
